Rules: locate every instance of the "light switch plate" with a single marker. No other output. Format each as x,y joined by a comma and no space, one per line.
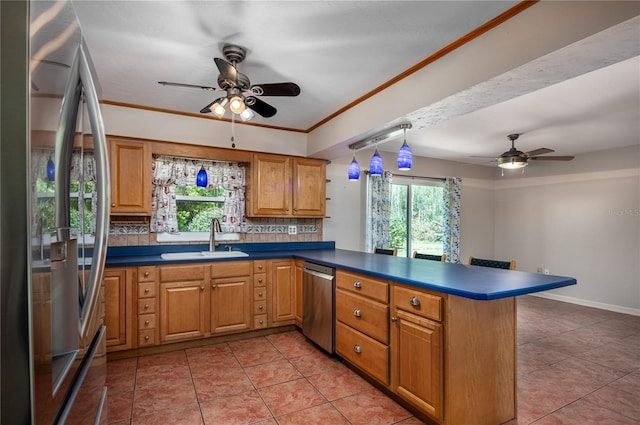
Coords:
293,230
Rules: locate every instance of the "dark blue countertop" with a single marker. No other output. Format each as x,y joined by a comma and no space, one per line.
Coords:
479,283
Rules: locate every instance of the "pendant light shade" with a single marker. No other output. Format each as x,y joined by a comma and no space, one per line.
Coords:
201,178
51,170
405,156
354,169
375,166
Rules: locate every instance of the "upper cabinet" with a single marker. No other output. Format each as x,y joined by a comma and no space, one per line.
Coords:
283,186
130,162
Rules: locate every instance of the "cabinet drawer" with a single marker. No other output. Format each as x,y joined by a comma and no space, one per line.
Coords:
231,269
147,305
146,321
259,294
368,316
146,337
146,274
418,302
259,307
366,286
260,321
259,266
364,352
147,290
181,273
259,279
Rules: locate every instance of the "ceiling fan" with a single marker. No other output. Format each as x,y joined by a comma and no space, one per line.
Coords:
241,97
513,158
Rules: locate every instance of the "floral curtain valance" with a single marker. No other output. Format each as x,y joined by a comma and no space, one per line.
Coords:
169,172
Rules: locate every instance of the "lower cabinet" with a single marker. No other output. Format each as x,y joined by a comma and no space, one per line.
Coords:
119,304
230,306
281,291
299,299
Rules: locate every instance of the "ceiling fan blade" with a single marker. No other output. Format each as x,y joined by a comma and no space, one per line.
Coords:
207,108
276,89
193,86
552,158
476,156
228,72
259,106
539,151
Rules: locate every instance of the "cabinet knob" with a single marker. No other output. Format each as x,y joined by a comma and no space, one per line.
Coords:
146,290
201,288
260,280
260,266
146,306
357,284
146,322
213,286
259,294
260,307
295,209
394,319
113,205
146,274
286,209
146,337
260,321
414,301
357,349
357,312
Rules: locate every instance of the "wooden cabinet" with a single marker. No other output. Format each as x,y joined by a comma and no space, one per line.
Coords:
130,163
119,299
183,303
283,186
299,296
281,289
362,323
260,306
231,306
147,306
417,347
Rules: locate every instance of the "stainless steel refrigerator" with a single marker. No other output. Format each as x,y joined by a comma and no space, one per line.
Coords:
54,197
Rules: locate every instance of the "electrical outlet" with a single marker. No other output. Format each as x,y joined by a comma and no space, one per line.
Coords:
546,271
293,230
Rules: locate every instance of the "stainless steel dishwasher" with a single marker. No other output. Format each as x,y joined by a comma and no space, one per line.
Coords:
318,307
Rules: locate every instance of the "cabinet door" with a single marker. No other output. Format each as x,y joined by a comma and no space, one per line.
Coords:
309,187
282,293
119,308
231,305
270,185
417,352
299,274
130,163
183,310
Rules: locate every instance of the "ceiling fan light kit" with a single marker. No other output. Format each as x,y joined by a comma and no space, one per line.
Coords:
241,97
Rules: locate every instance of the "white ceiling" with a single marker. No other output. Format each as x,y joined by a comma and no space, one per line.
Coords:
338,51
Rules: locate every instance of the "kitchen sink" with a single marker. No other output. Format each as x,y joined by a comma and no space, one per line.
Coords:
202,255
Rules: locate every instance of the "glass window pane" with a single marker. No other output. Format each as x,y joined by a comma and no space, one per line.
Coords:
427,219
398,219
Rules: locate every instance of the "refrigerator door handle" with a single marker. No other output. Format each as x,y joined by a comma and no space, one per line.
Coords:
86,74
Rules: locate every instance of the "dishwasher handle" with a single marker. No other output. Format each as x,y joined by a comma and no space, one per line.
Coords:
318,274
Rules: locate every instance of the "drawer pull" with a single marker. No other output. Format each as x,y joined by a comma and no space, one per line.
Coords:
394,319
357,349
260,280
260,266
146,323
146,274
146,290
357,312
202,288
146,306
261,322
146,337
414,301
357,284
259,294
213,286
260,307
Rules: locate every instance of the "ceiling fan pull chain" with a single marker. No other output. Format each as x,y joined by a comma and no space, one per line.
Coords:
233,139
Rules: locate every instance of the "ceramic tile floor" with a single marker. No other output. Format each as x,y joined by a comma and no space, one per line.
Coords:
576,365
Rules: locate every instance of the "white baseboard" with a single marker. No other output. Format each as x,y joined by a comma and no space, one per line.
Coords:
587,303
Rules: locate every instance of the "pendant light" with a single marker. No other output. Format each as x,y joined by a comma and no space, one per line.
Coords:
375,166
405,156
51,170
202,178
354,169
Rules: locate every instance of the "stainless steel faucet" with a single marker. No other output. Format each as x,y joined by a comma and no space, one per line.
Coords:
215,227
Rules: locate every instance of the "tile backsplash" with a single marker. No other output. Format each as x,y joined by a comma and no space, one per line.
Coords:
258,230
